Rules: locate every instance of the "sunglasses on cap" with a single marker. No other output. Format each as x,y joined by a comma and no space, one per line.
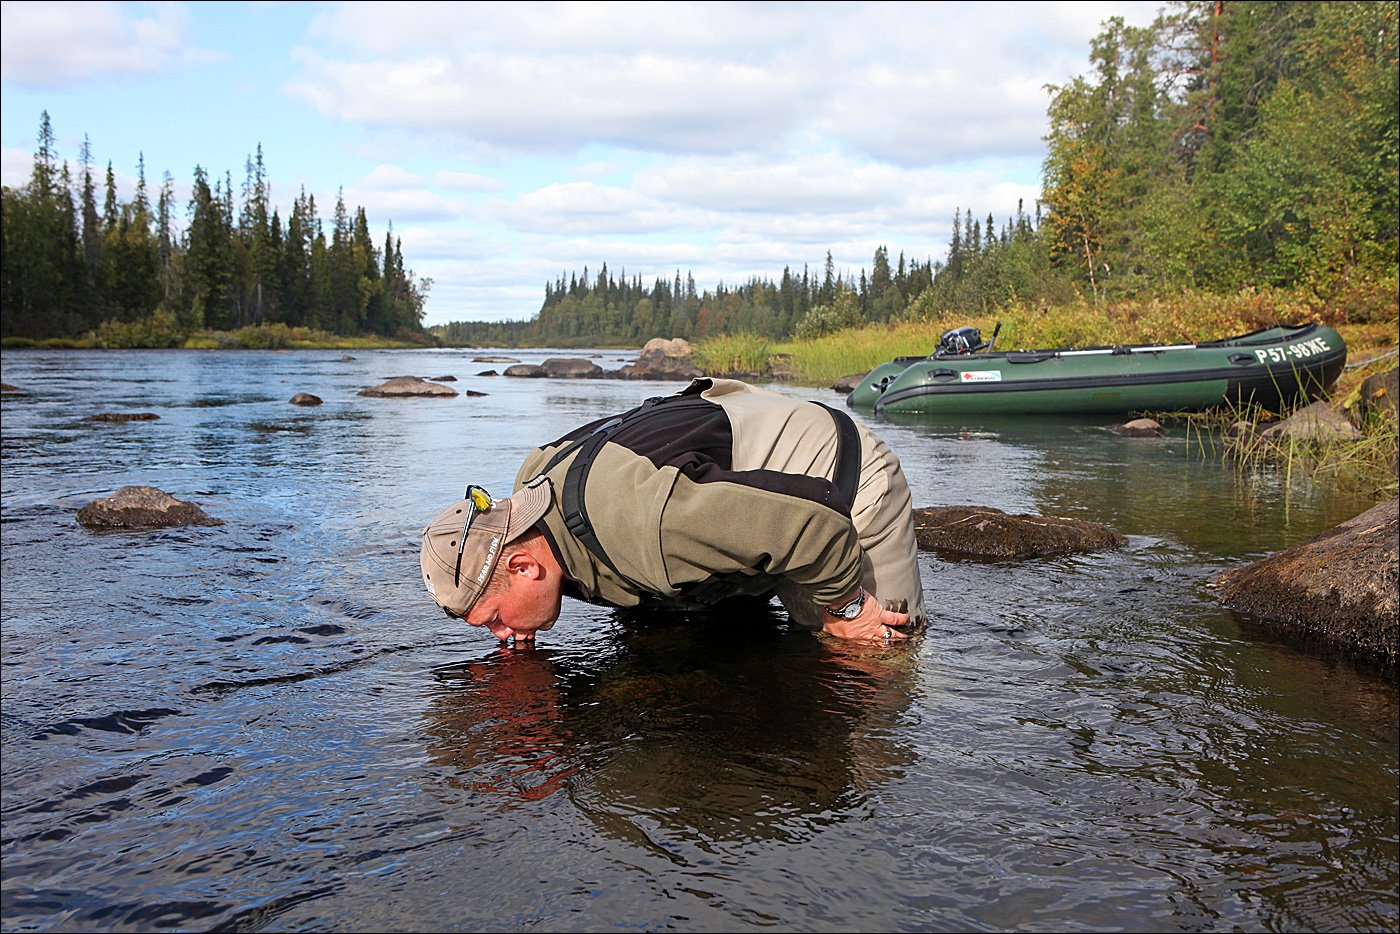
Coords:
478,501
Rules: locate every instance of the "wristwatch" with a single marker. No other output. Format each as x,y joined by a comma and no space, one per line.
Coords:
850,610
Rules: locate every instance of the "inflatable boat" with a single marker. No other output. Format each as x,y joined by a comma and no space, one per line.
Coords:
1269,367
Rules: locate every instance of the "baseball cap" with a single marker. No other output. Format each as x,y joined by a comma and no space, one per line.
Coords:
454,572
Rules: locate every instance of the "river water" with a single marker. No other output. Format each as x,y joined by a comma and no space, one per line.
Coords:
267,725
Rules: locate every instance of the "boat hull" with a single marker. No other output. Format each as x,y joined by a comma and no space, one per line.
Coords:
1270,367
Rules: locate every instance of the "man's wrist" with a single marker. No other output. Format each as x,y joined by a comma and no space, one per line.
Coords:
848,609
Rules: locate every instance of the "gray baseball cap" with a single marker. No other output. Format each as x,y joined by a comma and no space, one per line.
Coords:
456,572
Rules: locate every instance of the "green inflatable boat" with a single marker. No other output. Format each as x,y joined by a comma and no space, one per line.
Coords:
1269,367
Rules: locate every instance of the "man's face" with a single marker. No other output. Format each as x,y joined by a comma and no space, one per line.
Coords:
528,606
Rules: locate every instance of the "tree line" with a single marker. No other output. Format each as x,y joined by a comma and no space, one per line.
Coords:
1230,144
71,265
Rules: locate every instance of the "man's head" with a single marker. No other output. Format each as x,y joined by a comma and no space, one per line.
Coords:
481,562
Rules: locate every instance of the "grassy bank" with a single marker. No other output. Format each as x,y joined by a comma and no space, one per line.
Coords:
161,333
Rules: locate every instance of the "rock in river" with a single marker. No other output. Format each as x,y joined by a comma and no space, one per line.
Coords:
123,417
305,398
134,507
984,532
406,386
1340,587
571,368
526,371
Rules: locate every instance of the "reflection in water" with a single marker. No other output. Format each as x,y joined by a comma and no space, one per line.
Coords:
727,732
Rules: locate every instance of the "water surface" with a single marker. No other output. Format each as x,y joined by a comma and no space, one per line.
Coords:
268,725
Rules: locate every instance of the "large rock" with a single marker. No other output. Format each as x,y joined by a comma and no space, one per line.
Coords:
848,383
984,532
1317,422
134,507
407,386
305,398
1378,397
571,368
1340,587
662,359
526,371
494,360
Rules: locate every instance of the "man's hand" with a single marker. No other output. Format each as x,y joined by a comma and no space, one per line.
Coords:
874,623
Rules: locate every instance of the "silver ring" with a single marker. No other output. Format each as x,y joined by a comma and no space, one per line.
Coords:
887,634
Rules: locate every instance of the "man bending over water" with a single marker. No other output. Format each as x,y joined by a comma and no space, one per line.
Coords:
718,492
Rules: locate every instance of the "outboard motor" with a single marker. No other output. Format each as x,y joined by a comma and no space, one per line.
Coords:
965,340
961,341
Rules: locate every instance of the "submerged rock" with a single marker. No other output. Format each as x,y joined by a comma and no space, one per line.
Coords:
488,373
984,532
134,507
305,398
344,357
408,386
494,360
6,387
123,417
1137,428
444,379
1340,587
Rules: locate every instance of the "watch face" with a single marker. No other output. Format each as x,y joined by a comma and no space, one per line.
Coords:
850,610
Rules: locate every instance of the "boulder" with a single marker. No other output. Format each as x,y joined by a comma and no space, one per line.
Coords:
662,359
1378,397
408,386
469,393
488,373
848,383
123,417
345,357
526,371
1137,428
134,507
444,379
571,368
984,532
1317,422
6,387
494,360
1340,588
305,398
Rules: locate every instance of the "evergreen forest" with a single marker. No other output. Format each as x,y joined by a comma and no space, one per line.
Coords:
1231,145
78,260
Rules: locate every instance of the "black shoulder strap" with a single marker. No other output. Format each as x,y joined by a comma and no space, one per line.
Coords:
847,476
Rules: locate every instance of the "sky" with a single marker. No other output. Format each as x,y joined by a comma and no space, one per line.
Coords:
512,143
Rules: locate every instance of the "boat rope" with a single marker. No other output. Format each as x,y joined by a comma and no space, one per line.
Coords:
1388,353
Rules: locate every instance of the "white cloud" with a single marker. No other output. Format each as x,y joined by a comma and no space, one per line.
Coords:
62,44
390,176
467,181
910,84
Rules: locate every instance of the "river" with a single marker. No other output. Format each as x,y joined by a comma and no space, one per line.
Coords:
268,725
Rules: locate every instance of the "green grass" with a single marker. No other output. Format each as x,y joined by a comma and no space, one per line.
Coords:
732,354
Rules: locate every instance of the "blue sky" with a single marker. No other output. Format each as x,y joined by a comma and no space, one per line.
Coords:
510,143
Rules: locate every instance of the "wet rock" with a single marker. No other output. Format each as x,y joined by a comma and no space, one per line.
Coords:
848,383
1317,422
305,398
472,392
662,359
526,371
444,379
488,373
345,357
984,532
1137,428
134,507
6,387
123,417
571,368
494,360
1340,588
408,386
